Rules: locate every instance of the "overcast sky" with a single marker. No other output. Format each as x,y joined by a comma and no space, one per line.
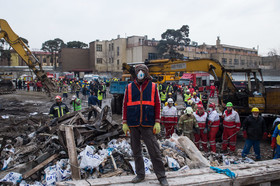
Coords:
246,23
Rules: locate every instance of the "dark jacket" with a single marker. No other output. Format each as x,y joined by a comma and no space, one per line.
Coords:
92,100
58,110
255,127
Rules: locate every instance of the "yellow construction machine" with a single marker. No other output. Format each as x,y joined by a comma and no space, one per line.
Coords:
31,61
267,100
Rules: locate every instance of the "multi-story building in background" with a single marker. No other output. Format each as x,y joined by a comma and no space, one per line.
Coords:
230,56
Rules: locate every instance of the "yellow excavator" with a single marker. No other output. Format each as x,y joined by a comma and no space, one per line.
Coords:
31,61
267,100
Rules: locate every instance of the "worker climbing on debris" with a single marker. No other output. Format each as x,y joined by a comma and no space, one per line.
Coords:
254,129
231,123
76,103
58,109
187,124
275,142
141,116
213,123
169,118
200,135
92,100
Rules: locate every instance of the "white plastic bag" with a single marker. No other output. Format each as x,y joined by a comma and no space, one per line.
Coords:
147,164
13,177
172,163
89,160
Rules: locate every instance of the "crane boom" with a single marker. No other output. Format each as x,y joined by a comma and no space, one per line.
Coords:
31,61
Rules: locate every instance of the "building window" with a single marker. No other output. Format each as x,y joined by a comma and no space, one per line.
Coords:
230,61
112,46
152,56
109,60
112,60
99,60
236,62
242,62
118,62
224,61
109,47
118,51
99,48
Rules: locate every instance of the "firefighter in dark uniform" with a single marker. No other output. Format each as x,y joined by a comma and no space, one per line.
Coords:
58,109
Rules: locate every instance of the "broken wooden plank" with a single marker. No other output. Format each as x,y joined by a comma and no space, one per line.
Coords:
111,174
266,171
72,153
40,166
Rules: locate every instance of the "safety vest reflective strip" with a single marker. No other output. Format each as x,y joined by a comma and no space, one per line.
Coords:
104,87
58,111
132,103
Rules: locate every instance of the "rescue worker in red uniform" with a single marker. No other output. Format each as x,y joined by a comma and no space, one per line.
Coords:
169,118
231,125
199,136
212,91
213,123
141,116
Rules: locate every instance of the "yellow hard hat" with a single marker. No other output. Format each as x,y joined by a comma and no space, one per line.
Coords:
169,93
255,109
194,93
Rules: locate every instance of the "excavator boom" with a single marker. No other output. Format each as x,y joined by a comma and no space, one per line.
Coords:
31,61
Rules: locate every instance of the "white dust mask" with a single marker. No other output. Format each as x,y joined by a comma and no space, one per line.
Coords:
140,75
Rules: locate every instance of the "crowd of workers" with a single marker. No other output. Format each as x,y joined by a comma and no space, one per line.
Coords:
201,122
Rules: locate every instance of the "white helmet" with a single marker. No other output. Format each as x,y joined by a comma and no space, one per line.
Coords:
188,91
170,100
189,110
74,97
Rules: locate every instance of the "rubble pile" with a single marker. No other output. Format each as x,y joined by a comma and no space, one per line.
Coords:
36,150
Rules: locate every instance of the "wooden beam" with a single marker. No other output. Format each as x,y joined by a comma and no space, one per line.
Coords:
40,166
247,174
72,153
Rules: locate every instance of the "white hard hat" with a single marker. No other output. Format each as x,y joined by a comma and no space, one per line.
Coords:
189,110
170,100
74,97
188,90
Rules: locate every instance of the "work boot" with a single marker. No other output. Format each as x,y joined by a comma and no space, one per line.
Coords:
138,179
163,182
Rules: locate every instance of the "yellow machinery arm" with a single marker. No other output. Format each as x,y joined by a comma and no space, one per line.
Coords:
18,45
206,65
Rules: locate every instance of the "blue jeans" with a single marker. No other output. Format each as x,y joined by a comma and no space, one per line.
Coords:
277,152
248,144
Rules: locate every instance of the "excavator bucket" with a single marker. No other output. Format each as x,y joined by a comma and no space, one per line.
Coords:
6,87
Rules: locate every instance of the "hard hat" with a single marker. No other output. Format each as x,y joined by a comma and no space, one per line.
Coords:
255,109
77,83
74,97
229,104
189,110
169,93
190,102
194,93
188,91
200,107
212,105
58,97
170,100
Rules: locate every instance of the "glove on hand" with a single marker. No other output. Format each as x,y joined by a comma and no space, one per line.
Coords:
273,143
125,128
265,135
156,129
245,134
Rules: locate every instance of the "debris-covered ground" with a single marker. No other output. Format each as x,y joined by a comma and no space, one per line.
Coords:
34,148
